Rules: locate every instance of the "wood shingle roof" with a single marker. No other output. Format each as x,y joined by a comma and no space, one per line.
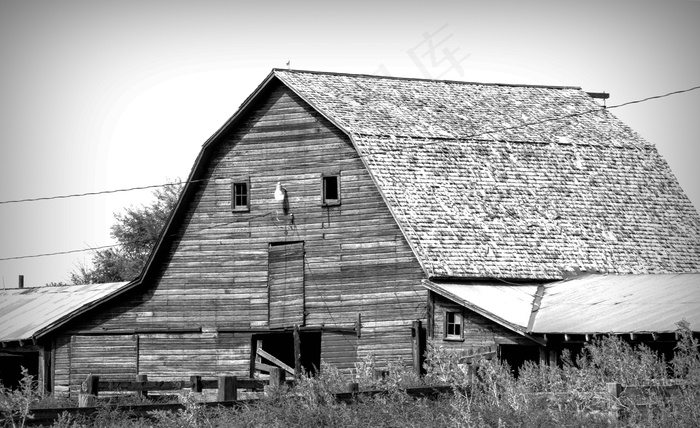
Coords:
507,181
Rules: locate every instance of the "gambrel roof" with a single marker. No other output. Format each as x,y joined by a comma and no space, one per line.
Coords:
509,181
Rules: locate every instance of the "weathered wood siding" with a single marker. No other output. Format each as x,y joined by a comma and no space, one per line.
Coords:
479,332
339,350
286,284
61,366
216,274
110,357
178,356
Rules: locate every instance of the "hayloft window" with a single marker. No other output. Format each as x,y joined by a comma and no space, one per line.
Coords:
240,194
454,325
330,189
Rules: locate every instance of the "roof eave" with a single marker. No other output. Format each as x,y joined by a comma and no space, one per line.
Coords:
486,314
191,185
84,308
192,180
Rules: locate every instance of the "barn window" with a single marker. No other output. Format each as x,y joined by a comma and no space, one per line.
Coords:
240,195
330,189
454,325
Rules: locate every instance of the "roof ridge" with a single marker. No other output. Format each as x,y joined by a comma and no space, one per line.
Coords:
422,79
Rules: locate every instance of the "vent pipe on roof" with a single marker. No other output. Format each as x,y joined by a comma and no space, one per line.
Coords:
599,95
21,281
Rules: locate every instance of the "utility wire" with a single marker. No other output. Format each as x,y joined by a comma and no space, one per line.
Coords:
102,192
654,97
548,119
203,180
58,253
522,125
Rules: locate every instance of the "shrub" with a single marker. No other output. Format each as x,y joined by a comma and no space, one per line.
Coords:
16,404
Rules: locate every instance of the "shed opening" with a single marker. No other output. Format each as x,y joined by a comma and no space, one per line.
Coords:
281,347
11,364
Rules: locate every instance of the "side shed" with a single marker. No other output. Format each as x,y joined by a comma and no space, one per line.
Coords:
28,316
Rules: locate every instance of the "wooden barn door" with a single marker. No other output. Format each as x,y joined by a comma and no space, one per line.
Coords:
286,284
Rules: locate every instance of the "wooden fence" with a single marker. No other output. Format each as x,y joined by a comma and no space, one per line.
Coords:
643,398
621,397
227,386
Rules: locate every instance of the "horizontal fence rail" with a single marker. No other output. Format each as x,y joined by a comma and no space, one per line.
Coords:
642,397
227,386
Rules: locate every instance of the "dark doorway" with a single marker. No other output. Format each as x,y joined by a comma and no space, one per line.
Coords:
516,355
281,346
11,364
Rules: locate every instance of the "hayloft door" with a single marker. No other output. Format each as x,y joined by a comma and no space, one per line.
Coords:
286,284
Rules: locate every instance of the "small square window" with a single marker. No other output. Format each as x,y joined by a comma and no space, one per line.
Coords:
454,326
330,188
240,195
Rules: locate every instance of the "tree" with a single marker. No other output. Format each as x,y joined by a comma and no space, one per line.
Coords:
136,230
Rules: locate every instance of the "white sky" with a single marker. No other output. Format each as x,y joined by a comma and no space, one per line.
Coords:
109,95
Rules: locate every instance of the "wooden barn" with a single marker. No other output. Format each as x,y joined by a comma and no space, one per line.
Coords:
337,216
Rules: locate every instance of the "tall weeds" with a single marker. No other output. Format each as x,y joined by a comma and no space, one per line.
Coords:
15,404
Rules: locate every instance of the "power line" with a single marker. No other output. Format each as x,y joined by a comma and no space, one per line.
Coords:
102,192
654,97
471,136
58,253
551,119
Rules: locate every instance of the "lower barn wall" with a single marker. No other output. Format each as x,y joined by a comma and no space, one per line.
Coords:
110,357
160,356
179,356
339,350
175,357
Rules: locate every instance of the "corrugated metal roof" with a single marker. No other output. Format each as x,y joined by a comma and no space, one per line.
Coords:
508,305
619,304
28,313
589,304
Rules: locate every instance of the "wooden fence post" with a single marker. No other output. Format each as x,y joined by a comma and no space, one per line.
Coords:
379,374
196,383
227,388
142,378
88,391
614,391
471,373
297,351
277,377
418,338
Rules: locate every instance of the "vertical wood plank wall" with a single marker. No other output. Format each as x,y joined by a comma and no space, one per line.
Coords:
216,273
